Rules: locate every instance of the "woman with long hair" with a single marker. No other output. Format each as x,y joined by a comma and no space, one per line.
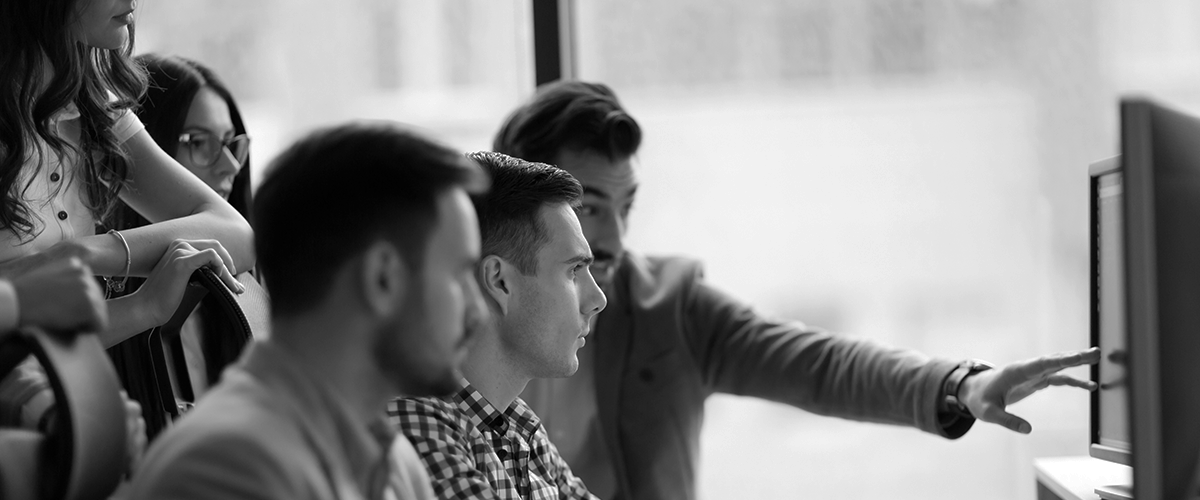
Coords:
70,147
192,116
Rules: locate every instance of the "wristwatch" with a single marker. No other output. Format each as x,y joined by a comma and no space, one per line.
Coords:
954,382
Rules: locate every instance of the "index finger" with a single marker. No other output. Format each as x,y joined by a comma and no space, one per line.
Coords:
1049,364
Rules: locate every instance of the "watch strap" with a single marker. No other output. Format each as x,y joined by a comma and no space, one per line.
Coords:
954,382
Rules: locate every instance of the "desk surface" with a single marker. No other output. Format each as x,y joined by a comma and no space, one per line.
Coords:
1076,478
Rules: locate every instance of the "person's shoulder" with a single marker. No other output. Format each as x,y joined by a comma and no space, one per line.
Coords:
436,427
206,456
240,441
125,122
241,411
418,415
125,125
421,405
238,410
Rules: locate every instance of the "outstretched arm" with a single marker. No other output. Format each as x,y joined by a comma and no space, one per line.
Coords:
742,352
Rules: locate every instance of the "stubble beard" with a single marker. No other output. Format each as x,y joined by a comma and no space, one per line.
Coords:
394,359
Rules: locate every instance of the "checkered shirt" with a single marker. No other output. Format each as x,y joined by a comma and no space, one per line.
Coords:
473,451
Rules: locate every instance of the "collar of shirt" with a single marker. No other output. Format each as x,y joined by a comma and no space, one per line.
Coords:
486,418
343,440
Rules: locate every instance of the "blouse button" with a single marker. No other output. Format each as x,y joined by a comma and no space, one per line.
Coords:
54,177
62,215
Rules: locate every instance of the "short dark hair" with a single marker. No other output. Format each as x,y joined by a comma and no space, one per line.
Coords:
340,189
573,115
510,224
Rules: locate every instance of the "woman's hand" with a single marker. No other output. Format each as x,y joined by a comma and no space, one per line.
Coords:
226,273
157,299
163,290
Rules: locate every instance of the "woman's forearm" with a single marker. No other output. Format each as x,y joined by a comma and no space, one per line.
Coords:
147,243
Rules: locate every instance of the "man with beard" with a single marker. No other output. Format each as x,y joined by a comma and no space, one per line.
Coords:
484,442
368,244
629,421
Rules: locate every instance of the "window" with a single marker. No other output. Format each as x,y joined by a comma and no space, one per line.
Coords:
454,68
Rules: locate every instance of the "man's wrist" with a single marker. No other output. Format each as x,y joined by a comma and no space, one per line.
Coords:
951,400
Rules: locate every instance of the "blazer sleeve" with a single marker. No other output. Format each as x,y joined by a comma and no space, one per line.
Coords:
740,352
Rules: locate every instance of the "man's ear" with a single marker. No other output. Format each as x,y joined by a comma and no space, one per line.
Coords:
495,282
384,278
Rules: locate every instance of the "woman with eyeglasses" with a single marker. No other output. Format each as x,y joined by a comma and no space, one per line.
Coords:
192,116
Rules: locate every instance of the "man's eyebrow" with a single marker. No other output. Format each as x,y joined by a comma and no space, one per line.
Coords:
583,258
595,192
601,194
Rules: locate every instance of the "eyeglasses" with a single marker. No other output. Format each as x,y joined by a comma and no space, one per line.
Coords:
205,148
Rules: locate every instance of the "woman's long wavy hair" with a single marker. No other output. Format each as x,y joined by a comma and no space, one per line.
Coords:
44,69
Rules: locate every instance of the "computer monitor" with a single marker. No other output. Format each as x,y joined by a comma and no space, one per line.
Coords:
1159,226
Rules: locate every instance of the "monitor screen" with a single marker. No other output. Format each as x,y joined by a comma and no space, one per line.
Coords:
1110,405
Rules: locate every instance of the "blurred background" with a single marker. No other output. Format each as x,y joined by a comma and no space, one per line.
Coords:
913,171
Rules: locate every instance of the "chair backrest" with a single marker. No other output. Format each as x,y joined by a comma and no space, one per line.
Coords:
85,454
255,305
234,320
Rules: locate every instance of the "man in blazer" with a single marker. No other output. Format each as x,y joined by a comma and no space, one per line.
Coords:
628,423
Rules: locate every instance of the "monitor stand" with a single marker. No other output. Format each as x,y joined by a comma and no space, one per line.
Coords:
1115,492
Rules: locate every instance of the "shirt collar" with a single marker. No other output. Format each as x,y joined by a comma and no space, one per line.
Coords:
486,418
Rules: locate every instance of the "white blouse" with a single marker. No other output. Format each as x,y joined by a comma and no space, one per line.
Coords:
55,193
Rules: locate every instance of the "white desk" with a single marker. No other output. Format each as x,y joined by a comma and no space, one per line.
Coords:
1076,478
